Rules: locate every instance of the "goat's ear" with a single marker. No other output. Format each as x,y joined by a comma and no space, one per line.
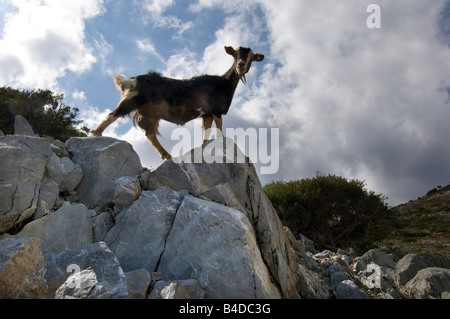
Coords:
230,51
258,57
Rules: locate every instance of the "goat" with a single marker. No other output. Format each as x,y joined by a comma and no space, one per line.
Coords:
152,97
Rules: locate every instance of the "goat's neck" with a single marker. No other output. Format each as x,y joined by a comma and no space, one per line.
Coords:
233,77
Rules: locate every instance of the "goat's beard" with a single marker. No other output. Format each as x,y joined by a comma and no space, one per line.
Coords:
243,79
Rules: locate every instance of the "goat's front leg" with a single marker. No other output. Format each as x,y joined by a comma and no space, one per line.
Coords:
207,123
218,121
164,154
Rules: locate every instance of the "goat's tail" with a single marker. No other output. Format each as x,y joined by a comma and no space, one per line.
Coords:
120,81
122,84
128,89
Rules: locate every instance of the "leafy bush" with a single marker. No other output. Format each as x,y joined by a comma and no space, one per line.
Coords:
330,210
43,109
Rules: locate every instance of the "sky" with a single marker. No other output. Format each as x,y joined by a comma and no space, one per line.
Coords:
353,90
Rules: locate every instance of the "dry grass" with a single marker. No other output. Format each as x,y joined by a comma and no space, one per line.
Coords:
422,226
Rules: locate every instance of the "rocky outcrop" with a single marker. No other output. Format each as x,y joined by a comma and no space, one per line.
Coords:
22,127
105,274
236,185
430,283
22,268
103,160
23,161
85,220
221,247
66,228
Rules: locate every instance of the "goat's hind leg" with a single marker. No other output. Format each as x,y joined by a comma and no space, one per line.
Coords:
218,121
164,154
150,126
207,123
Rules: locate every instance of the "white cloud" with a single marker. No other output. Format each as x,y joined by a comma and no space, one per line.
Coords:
102,51
43,40
230,6
146,46
79,96
356,101
156,8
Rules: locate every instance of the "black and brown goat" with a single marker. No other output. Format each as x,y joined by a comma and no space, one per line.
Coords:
152,97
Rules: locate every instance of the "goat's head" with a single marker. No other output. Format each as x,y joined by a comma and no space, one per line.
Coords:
243,58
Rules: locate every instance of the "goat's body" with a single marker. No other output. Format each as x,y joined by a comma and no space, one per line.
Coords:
179,101
151,97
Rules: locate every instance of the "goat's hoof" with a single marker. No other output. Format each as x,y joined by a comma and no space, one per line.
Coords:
94,133
166,156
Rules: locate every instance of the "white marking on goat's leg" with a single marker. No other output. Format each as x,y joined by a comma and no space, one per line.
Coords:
164,154
207,123
218,121
103,125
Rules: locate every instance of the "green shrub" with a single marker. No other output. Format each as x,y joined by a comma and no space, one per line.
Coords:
43,109
331,210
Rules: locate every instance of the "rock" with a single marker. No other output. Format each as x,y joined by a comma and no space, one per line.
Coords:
180,289
378,257
407,268
347,289
306,243
168,290
385,262
374,278
22,127
138,282
342,260
208,227
234,270
23,161
311,285
334,273
155,277
22,268
140,233
64,172
67,228
48,192
98,256
445,295
359,265
42,209
103,159
395,252
235,184
436,260
102,223
430,283
59,148
127,189
322,255
192,288
82,285
342,285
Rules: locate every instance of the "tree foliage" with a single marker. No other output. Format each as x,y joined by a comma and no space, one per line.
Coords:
43,109
330,210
